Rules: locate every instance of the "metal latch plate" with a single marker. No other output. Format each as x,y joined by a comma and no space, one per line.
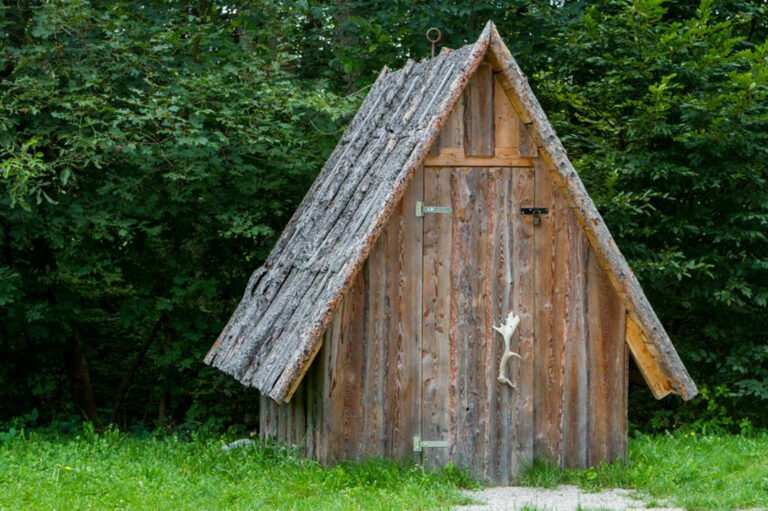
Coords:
534,211
421,209
419,444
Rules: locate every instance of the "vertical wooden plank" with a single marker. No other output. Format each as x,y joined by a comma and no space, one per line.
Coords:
332,406
404,288
290,434
318,397
282,423
353,367
377,323
461,303
436,423
262,416
506,123
576,378
521,406
502,290
299,420
469,305
266,421
624,412
487,221
393,434
550,313
452,133
606,365
274,417
527,146
478,113
478,340
310,423
511,445
343,420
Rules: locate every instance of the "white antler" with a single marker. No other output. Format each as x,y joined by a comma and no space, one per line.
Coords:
506,330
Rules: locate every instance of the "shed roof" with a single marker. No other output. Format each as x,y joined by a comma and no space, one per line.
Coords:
276,330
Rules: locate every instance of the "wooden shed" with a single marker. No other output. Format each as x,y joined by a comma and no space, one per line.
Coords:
448,208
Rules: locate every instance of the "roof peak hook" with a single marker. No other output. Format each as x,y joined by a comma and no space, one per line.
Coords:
434,36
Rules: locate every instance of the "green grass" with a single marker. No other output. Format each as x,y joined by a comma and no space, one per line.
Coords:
114,471
118,471
694,472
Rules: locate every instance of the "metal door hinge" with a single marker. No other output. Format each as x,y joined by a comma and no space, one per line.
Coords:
421,209
419,444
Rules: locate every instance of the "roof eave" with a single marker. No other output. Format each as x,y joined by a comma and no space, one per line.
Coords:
611,259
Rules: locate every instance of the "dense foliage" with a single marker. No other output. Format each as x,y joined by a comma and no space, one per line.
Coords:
150,153
667,121
149,158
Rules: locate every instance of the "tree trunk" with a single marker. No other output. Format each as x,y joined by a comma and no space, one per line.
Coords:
345,38
79,378
165,400
128,378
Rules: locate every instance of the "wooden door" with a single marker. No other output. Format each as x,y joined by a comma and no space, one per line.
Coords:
477,265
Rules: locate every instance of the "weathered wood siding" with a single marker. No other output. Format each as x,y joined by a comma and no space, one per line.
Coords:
580,355
410,350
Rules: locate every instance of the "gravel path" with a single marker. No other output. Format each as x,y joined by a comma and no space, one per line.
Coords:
562,498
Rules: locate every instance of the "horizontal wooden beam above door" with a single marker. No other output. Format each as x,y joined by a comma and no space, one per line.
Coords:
455,157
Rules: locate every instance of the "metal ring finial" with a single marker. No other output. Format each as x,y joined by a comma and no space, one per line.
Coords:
436,39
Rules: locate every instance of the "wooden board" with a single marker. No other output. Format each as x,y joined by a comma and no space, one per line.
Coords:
461,332
437,419
403,259
509,444
607,368
344,364
576,384
513,289
455,157
452,134
520,413
377,324
580,362
550,260
506,123
478,113
646,357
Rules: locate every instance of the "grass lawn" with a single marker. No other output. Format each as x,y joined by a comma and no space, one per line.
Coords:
685,470
117,471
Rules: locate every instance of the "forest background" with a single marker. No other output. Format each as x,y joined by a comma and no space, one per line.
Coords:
152,151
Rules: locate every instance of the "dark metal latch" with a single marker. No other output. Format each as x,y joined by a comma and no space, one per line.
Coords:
533,211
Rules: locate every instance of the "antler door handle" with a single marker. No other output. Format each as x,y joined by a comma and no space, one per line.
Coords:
506,330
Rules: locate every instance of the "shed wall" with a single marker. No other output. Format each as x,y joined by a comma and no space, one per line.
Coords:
380,378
